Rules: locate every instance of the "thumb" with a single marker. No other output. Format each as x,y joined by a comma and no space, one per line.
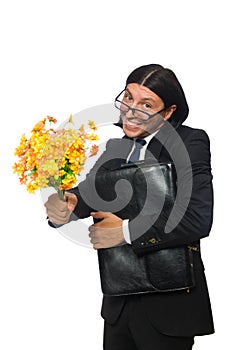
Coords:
100,214
71,200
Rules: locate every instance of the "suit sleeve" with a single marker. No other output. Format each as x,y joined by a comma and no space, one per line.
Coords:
84,208
88,198
196,219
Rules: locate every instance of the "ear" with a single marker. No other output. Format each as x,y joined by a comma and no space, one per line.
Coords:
169,111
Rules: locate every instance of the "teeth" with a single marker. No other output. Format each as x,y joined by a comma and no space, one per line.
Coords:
131,123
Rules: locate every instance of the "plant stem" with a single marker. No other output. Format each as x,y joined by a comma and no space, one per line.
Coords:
61,194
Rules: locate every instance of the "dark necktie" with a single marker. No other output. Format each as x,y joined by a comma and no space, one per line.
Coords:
139,143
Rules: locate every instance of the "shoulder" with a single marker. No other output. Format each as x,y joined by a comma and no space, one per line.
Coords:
187,133
113,141
196,142
121,143
113,152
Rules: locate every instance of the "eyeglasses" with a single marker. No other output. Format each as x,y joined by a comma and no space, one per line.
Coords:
137,113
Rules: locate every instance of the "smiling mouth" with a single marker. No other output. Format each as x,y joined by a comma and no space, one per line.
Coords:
131,123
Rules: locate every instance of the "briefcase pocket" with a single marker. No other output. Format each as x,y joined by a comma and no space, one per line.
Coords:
122,272
171,269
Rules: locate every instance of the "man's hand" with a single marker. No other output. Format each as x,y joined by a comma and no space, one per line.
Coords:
59,211
107,232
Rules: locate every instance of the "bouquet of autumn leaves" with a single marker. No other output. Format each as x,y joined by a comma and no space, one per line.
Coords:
54,158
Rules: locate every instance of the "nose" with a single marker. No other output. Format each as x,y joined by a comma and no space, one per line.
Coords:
130,113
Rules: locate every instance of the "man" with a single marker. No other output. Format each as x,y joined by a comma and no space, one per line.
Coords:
152,108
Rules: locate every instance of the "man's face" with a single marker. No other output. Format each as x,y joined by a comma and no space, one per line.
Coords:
143,99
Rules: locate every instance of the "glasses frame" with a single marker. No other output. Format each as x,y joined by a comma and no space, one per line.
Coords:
135,109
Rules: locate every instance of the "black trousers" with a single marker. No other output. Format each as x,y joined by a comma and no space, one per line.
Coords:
133,331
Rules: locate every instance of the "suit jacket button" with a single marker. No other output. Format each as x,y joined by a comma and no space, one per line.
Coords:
153,240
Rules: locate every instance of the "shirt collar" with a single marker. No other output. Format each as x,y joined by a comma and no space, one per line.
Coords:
149,137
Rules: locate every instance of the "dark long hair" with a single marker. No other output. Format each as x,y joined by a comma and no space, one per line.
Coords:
164,83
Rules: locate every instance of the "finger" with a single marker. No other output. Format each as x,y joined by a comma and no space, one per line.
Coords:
94,241
54,202
100,214
91,228
91,234
98,245
52,211
71,200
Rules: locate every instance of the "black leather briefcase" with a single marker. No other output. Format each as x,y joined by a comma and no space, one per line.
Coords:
122,271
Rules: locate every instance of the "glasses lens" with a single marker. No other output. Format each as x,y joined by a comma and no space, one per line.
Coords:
140,114
122,106
137,113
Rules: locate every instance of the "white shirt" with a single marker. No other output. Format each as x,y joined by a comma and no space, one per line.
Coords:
125,226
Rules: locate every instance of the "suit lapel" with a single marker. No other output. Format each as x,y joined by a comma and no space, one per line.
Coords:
118,153
165,138
154,149
157,143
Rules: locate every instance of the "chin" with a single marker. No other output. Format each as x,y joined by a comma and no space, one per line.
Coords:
133,131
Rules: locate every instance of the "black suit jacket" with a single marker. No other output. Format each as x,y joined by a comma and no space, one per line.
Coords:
179,313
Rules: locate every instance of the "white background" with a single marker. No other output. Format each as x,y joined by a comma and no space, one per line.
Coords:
59,57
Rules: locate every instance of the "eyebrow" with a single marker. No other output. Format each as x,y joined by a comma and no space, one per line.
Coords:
143,99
